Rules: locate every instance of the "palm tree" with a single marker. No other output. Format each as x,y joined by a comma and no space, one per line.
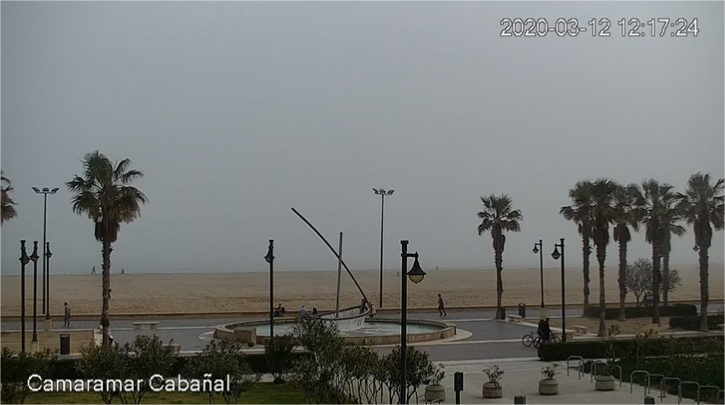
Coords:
653,199
625,217
702,207
6,202
669,227
579,213
104,194
499,216
603,214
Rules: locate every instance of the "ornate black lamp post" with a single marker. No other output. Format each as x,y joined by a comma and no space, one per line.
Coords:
45,191
48,255
34,257
24,260
270,259
382,193
416,275
539,248
556,256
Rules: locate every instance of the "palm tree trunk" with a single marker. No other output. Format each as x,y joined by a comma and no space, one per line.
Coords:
601,255
622,275
499,283
655,284
704,285
586,251
665,276
105,322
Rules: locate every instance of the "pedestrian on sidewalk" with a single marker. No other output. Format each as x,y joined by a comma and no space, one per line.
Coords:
441,306
66,315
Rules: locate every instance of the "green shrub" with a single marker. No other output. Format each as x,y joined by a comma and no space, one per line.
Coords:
643,312
625,348
693,322
17,368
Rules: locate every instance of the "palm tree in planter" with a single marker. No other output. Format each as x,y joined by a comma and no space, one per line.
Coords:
625,216
702,206
653,200
104,194
7,203
579,213
499,216
549,385
603,215
492,388
605,381
435,392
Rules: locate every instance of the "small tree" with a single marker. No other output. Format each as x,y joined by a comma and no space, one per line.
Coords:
220,359
278,353
104,363
146,356
17,369
638,279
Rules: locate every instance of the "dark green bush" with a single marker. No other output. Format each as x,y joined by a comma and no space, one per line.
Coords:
693,322
597,349
643,312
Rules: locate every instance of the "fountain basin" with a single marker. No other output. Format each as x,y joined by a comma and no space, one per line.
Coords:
373,331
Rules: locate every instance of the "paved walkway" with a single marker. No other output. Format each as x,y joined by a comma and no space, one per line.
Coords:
521,378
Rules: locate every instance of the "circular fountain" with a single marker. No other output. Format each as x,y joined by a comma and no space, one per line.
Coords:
353,327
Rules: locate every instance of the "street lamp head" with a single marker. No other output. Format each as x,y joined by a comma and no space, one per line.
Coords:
416,274
695,248
390,192
55,190
375,190
382,191
556,255
48,253
536,248
37,190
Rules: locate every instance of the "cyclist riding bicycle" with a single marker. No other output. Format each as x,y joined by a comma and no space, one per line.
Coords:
544,330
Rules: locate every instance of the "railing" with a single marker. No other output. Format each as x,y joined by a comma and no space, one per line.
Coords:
699,389
663,392
679,390
581,365
631,380
649,388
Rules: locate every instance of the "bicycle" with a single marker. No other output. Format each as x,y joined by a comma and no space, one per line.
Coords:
554,338
534,339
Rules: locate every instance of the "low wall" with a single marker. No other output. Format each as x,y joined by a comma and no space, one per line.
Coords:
227,332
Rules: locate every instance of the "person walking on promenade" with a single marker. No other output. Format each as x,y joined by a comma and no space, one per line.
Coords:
441,306
66,316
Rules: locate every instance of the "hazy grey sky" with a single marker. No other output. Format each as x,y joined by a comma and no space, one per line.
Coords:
238,111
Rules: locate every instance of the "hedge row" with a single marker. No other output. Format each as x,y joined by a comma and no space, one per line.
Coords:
643,312
693,322
597,349
66,368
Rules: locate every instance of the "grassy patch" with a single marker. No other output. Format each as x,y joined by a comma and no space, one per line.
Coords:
263,393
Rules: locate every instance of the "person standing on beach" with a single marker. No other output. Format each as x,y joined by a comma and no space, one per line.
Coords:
66,316
441,307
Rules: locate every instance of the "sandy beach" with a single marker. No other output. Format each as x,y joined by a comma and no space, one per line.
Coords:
228,292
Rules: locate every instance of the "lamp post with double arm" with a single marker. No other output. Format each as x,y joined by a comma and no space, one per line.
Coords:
382,193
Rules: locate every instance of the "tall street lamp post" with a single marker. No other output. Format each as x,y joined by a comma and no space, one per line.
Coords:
24,260
382,193
45,191
556,255
48,255
416,275
34,257
539,248
269,258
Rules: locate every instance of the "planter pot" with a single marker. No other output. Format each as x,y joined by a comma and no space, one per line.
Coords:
435,392
604,383
492,390
548,387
